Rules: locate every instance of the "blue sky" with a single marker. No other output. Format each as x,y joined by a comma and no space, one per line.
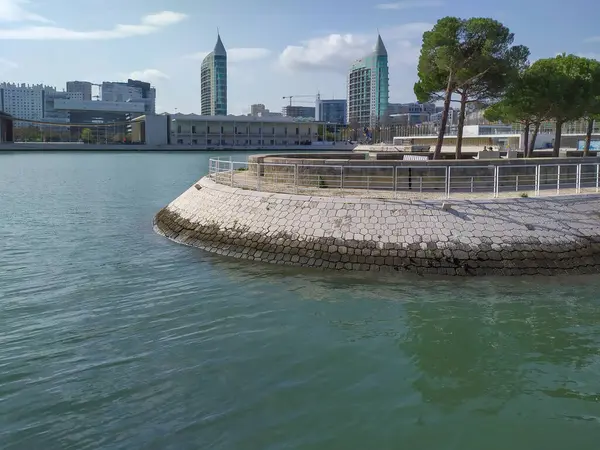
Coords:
276,48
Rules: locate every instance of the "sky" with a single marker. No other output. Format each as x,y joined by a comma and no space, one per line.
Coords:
275,48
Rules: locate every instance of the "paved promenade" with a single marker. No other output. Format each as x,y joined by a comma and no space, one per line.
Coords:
518,236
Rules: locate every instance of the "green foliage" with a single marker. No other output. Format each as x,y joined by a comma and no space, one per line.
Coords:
474,58
563,88
562,85
86,135
475,55
438,60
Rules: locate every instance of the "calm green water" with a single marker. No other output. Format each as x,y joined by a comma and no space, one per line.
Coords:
113,337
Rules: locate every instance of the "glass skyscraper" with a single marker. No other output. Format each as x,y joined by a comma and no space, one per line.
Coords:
331,111
368,94
213,82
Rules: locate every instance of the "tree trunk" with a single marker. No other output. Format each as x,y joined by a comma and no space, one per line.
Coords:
536,130
461,122
557,136
526,138
588,137
442,130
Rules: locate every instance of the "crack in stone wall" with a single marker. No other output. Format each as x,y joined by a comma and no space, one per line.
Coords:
494,237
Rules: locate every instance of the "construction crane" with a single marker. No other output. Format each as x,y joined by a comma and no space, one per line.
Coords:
298,96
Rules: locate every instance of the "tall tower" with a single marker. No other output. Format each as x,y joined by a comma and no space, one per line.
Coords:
213,81
368,87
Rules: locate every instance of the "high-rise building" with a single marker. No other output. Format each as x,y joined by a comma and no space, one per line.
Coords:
213,81
331,111
411,108
23,101
368,93
307,112
54,115
83,87
257,109
131,91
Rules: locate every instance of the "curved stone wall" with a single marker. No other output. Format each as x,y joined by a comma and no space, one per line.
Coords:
483,237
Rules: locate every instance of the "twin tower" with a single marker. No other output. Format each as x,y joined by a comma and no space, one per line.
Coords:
213,81
368,79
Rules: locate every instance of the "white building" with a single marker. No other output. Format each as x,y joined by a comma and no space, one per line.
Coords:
257,109
130,91
104,106
23,101
225,131
260,110
80,87
51,114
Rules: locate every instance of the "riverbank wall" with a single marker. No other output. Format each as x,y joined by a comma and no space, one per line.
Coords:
516,236
78,147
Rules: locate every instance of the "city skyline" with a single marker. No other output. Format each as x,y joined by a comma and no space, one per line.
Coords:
159,42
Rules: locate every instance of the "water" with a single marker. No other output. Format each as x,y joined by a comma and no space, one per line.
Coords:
113,337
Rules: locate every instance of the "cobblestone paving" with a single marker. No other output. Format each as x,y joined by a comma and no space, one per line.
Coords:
518,236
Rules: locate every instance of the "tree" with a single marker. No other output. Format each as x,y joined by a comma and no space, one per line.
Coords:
592,108
473,58
491,65
522,103
563,89
354,126
86,135
591,119
507,113
439,62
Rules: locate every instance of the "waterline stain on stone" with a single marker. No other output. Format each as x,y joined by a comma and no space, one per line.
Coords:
496,237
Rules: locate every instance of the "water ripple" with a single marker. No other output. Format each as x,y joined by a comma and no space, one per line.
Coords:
113,337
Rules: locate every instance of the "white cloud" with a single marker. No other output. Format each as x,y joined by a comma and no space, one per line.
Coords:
333,52
15,11
237,55
336,52
148,24
148,75
592,40
410,4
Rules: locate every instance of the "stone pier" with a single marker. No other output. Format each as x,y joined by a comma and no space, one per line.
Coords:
517,236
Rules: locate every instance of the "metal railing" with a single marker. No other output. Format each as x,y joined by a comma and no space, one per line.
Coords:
409,181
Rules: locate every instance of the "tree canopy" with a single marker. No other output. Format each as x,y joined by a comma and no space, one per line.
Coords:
473,58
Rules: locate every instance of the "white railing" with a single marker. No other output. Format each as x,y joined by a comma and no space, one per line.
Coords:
409,181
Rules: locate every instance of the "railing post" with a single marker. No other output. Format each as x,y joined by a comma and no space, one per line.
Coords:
231,167
342,179
471,185
517,183
421,184
448,180
537,180
258,176
558,179
295,178
578,180
597,176
395,175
